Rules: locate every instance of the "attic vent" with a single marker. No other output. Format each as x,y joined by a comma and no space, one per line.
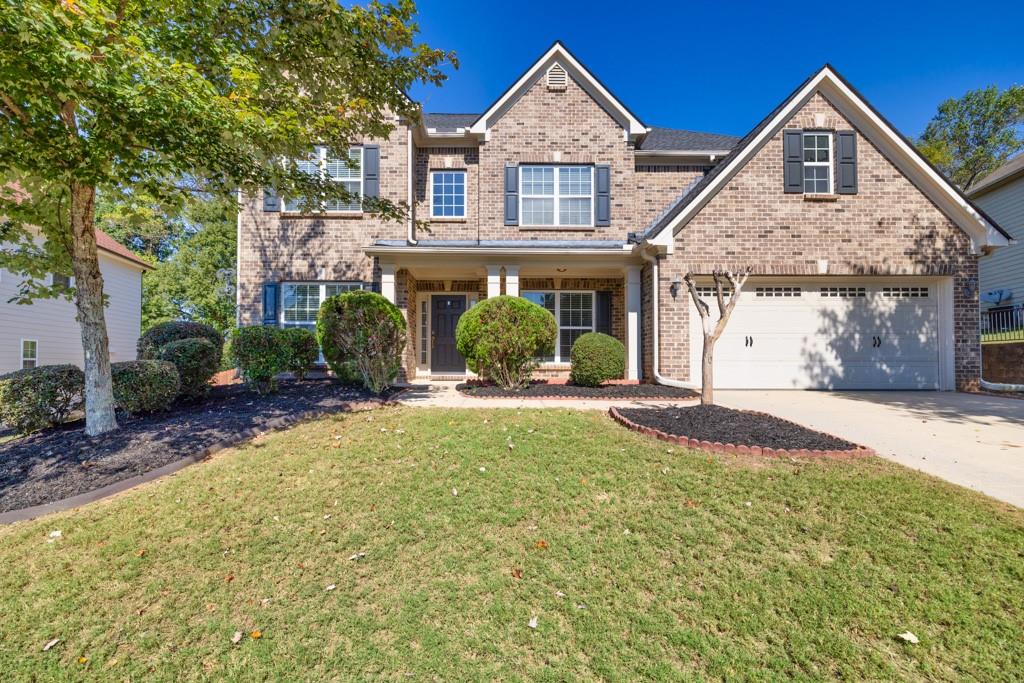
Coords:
557,78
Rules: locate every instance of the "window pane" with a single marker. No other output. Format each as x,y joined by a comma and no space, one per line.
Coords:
567,338
546,300
538,180
574,180
301,303
577,309
338,169
335,288
353,186
574,211
449,194
538,211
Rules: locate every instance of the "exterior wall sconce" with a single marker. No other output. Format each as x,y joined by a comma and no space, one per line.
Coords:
673,288
971,288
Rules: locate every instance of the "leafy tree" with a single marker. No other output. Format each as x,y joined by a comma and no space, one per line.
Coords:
133,95
972,136
140,222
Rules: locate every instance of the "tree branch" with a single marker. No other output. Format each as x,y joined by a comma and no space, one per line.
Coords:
13,108
702,308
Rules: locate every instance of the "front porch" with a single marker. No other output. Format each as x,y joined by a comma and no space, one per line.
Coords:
596,292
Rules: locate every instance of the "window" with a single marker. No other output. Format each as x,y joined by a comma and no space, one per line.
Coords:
817,163
844,292
574,313
424,335
556,195
29,353
448,194
905,292
300,301
348,171
777,291
59,280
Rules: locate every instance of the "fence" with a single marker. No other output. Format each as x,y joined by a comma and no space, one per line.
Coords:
1002,325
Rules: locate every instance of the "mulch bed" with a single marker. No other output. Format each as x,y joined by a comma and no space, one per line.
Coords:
63,462
542,389
720,426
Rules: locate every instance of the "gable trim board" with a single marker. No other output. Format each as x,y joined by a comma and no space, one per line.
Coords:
984,231
558,53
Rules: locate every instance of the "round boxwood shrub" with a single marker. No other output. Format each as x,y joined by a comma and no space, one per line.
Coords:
144,386
162,334
261,356
365,332
197,361
596,358
301,350
40,397
501,338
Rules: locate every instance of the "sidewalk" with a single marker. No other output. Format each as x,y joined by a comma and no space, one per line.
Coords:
444,395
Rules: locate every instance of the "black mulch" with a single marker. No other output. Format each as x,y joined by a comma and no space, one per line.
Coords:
63,462
739,427
541,389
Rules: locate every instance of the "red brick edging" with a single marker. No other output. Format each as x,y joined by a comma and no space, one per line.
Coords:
733,449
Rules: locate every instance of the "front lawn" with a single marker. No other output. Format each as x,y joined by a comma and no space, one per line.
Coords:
638,560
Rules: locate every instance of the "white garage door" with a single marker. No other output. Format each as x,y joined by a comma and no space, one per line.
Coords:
826,334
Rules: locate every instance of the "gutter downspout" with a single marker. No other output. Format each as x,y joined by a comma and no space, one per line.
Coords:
410,234
653,260
998,386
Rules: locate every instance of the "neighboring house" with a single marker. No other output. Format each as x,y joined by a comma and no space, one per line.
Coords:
46,331
865,258
1001,195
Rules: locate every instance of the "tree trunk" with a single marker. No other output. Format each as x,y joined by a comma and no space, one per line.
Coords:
707,371
99,390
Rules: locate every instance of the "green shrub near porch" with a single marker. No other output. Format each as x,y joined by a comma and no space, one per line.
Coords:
261,355
502,337
596,358
37,398
362,333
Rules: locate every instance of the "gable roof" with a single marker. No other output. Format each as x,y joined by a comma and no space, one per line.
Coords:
982,229
673,140
588,81
1009,171
108,244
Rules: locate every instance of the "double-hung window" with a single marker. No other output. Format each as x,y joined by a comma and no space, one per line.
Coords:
574,313
29,353
817,163
300,301
447,194
556,195
345,169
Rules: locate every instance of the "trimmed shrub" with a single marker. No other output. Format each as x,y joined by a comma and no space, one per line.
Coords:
596,358
502,337
162,334
364,332
40,397
196,360
301,350
261,356
145,386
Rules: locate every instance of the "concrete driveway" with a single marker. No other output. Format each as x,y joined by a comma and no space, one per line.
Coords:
973,440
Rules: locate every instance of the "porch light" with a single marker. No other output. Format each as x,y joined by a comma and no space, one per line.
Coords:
674,286
560,270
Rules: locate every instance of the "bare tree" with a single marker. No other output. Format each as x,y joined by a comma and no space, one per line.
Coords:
714,329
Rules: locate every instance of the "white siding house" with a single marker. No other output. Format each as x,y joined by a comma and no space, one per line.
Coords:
1001,196
45,332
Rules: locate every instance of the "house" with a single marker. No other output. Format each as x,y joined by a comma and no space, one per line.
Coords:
864,258
1001,195
46,331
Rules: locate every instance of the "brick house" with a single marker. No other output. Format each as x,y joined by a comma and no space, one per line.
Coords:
865,259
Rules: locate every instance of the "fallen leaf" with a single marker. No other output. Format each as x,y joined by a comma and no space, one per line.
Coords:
237,638
691,503
542,544
909,637
229,578
141,553
517,573
50,644
357,556
83,660
533,622
580,605
455,492
55,533
256,635
483,469
331,587
559,594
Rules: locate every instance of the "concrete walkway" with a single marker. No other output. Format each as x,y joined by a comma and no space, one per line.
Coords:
973,440
444,395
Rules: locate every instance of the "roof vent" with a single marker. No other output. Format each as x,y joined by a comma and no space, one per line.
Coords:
557,78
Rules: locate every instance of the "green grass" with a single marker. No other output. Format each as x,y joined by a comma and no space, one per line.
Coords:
679,576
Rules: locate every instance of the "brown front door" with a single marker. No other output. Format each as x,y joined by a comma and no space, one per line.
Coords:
446,311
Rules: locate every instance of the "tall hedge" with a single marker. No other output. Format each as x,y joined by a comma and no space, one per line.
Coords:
364,332
301,350
158,336
261,355
40,397
501,338
197,361
144,386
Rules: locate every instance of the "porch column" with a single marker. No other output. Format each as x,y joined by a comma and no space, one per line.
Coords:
512,280
633,322
493,281
387,281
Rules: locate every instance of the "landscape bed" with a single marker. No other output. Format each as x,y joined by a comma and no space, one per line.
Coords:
542,389
726,426
59,463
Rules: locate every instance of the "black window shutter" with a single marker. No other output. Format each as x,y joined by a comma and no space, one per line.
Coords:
793,154
271,202
270,298
511,195
603,312
371,171
846,156
603,204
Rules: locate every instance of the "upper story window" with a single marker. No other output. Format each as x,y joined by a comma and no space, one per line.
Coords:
817,163
300,301
557,195
29,353
448,194
344,169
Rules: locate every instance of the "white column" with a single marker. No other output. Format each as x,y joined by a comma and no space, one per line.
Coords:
633,322
512,280
387,281
493,281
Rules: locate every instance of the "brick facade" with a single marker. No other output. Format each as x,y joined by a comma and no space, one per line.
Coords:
888,228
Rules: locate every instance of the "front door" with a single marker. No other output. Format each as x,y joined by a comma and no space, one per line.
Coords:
444,357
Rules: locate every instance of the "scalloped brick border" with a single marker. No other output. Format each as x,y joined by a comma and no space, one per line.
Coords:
733,449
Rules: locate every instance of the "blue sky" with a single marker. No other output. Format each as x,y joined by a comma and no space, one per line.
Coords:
721,67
